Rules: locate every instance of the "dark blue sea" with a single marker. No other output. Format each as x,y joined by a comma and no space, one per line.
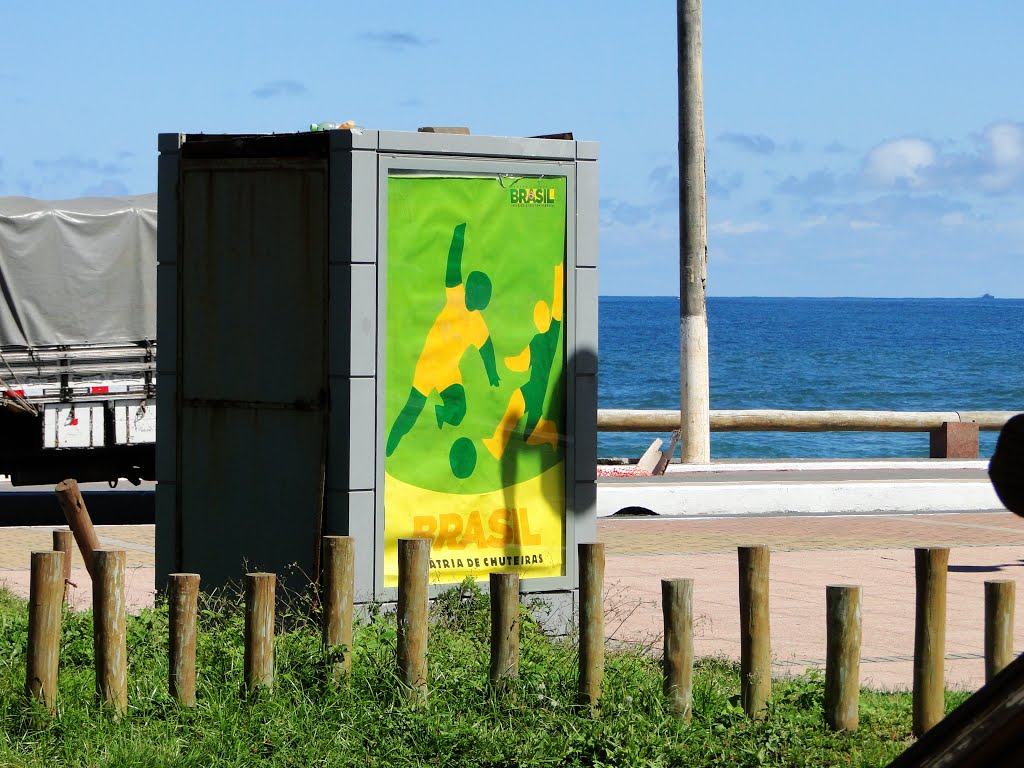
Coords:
816,354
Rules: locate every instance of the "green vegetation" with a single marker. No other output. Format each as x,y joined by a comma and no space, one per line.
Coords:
307,722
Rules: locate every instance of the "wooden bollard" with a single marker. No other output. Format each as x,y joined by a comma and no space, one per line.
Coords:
338,561
504,629
70,499
999,599
259,630
677,611
109,629
413,597
929,637
63,541
182,600
755,634
842,657
591,673
46,597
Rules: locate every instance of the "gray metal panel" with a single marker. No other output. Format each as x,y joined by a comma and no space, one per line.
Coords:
167,318
353,211
364,207
476,146
253,278
586,322
585,514
339,442
358,139
167,207
586,150
363,330
169,142
351,514
363,433
586,214
166,532
585,410
250,492
166,428
339,358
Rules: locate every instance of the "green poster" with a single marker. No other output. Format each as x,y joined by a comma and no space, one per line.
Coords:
474,373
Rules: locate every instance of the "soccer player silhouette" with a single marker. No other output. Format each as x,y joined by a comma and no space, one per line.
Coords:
538,357
457,327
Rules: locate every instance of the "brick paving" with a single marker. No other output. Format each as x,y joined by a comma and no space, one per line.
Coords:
808,553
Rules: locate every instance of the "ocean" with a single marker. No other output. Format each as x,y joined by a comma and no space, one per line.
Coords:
816,354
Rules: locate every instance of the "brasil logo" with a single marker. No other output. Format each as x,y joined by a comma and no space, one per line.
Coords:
527,196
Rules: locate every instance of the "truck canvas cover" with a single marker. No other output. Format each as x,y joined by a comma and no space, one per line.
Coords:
77,271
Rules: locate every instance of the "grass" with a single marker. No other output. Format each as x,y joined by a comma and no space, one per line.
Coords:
307,722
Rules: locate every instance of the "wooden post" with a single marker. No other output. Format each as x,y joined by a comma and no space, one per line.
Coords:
109,629
46,596
259,630
677,611
70,499
591,566
63,542
504,629
338,561
929,637
182,599
755,635
999,599
694,428
842,657
413,583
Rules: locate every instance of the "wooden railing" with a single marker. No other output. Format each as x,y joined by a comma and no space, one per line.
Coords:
628,420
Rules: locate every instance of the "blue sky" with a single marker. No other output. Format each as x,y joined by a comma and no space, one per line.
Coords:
853,149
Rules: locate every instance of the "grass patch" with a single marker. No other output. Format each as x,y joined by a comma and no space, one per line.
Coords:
307,722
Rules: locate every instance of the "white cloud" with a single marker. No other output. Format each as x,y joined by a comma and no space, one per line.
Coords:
727,227
859,224
899,162
1005,155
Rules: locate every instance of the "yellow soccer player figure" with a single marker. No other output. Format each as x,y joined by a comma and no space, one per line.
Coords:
458,327
538,357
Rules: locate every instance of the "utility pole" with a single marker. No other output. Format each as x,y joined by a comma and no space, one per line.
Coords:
695,426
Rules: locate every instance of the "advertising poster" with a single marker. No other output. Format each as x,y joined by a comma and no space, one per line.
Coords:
474,427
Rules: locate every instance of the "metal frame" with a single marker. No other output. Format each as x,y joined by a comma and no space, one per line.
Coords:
388,164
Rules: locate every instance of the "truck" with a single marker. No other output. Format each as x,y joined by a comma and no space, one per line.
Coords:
78,339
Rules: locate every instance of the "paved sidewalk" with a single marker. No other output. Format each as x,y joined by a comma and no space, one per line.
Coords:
808,553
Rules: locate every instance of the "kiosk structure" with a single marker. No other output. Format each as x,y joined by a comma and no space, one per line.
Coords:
382,335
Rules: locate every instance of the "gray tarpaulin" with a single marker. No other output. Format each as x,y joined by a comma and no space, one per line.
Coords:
77,271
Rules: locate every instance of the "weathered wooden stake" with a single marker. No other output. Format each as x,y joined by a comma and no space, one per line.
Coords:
109,629
413,583
929,637
677,611
694,428
504,629
46,596
339,554
70,499
63,541
591,565
259,630
755,634
182,600
999,599
842,657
